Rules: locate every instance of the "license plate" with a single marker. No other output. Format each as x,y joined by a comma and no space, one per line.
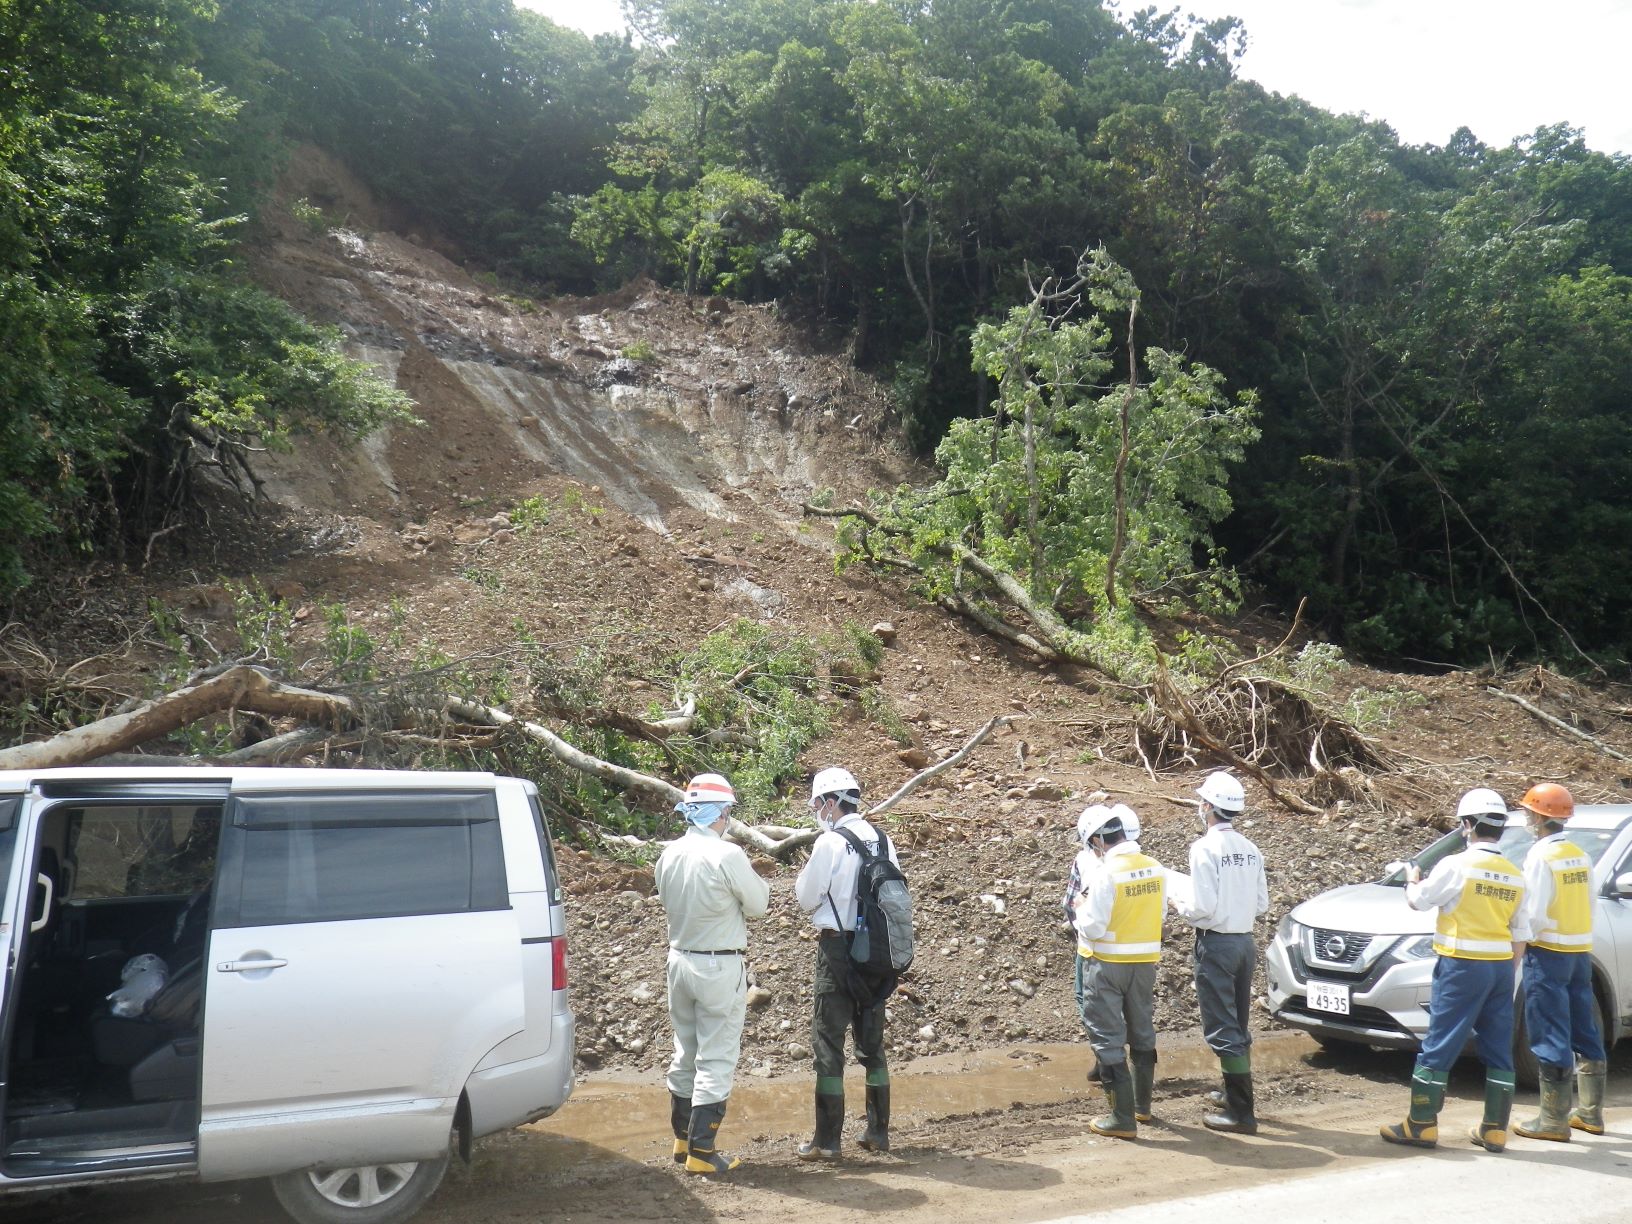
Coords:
1329,997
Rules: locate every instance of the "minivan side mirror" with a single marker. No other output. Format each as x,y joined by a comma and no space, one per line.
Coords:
1622,888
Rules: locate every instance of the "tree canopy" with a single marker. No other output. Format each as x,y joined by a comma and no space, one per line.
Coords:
1436,339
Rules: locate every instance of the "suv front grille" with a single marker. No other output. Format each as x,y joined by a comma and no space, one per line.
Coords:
1336,947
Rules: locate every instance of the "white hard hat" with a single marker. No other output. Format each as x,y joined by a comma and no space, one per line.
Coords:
834,781
1094,820
1482,804
709,788
1129,819
1223,790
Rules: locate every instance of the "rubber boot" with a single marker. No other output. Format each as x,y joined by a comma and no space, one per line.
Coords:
680,1123
1421,1126
829,1124
1553,1122
1144,1080
701,1156
1236,1117
876,1138
1589,1084
1119,1123
1491,1133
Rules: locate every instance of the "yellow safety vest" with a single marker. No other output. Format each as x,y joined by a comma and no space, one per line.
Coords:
1567,925
1135,932
1479,928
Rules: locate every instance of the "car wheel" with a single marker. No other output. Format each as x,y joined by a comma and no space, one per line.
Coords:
364,1194
1526,1070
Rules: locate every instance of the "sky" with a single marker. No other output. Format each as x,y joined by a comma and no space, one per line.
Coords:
1425,67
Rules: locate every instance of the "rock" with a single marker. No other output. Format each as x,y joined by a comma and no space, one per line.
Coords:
758,996
785,1026
636,1045
1045,791
884,631
1049,875
1022,987
913,758
927,1032
797,1052
643,993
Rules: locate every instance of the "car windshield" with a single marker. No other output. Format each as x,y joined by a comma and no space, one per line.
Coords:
1514,845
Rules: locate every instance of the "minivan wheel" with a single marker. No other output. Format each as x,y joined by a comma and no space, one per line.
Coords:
365,1194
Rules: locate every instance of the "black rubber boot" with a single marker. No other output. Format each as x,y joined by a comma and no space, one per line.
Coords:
829,1126
680,1123
1119,1123
701,1156
876,1138
1144,1081
1236,1117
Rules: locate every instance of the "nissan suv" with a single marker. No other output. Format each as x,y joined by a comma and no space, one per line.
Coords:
1355,964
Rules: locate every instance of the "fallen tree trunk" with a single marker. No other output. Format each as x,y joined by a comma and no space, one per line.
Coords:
1559,723
924,775
237,688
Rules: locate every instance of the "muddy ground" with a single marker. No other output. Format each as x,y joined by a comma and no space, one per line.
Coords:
998,1136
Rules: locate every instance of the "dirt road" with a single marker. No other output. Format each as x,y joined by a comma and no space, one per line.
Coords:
999,1135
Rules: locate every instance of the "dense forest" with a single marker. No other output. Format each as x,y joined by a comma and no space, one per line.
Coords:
1437,340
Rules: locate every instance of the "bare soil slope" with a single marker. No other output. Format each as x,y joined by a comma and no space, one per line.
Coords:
670,442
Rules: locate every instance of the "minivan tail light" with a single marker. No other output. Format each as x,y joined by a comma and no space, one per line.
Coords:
558,962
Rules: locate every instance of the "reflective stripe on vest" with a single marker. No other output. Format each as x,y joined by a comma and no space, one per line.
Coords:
1567,925
1479,928
1135,932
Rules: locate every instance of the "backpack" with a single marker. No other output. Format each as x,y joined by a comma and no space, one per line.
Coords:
881,947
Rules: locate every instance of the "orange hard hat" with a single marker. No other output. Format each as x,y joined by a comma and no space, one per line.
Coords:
1549,800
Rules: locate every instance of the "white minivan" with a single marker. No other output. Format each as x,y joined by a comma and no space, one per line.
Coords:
324,977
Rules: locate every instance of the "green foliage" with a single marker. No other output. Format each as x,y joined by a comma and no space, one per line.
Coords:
639,350
309,215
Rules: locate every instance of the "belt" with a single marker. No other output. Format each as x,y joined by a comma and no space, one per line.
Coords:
712,951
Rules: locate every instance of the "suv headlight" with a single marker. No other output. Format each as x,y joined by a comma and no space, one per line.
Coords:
1419,947
1288,931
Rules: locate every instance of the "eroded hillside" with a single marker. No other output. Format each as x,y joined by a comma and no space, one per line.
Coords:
626,473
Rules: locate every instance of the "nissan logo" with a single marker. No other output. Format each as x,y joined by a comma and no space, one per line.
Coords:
1334,947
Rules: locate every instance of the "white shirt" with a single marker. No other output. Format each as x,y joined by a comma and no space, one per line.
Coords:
708,890
832,871
1539,885
1099,893
1442,890
1228,888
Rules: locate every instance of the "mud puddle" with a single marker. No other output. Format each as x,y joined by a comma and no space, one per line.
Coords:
629,1119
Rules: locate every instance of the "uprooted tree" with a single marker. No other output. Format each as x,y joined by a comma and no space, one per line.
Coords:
1084,496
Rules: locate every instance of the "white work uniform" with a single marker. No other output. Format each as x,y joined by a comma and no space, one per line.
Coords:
709,890
832,871
1228,888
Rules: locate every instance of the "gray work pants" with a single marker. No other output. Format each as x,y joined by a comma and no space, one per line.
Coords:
1224,967
1119,1008
708,996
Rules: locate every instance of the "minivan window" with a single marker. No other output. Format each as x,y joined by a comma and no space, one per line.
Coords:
542,828
127,851
328,858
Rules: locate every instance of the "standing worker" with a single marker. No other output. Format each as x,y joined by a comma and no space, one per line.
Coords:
709,890
1558,1001
1083,869
1223,897
1481,932
826,890
1120,919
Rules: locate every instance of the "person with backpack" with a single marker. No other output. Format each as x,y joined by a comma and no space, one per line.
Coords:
854,894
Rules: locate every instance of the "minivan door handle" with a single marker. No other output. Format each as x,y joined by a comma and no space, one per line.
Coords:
250,966
44,881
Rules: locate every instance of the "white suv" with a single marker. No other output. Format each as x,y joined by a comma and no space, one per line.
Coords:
317,976
1355,964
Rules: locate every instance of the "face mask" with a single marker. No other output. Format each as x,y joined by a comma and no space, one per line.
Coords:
701,813
822,810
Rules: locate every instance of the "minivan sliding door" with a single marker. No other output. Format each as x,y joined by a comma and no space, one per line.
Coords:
364,958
